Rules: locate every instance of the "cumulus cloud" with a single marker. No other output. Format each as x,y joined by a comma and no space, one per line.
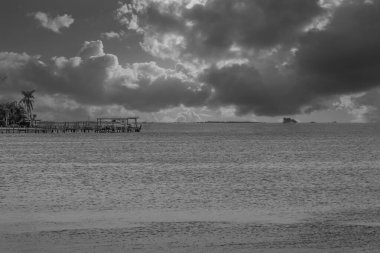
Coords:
267,57
188,115
214,26
368,105
54,24
111,35
126,14
95,78
91,49
261,57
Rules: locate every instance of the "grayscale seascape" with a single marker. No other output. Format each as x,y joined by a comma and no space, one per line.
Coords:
193,188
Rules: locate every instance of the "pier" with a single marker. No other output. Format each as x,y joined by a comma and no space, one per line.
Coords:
101,125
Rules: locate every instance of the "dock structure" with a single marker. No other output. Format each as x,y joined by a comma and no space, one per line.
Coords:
101,125
118,125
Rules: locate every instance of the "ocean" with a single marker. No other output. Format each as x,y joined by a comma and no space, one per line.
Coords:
202,187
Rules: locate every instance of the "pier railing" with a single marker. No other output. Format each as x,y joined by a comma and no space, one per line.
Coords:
102,125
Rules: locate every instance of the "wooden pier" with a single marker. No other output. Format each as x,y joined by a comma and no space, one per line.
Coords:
101,125
118,125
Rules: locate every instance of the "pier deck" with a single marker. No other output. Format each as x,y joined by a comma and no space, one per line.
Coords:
102,125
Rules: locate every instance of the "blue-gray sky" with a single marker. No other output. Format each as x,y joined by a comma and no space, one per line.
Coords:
194,60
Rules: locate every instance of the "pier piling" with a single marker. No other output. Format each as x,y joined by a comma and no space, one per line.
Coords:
102,125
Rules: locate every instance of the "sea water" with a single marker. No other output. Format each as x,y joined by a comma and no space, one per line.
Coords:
193,188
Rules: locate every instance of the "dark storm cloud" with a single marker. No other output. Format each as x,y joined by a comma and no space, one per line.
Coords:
217,25
253,92
345,57
164,21
212,29
259,56
96,78
163,93
250,23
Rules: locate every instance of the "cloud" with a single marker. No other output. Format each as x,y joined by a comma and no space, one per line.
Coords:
91,49
111,35
167,46
54,24
188,115
214,26
364,107
265,92
126,14
249,24
56,107
95,78
370,102
256,57
345,56
266,57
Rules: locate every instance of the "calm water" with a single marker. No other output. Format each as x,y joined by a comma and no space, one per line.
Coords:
193,188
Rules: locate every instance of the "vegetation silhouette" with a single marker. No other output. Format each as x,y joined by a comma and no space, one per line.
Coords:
27,102
18,113
12,113
289,120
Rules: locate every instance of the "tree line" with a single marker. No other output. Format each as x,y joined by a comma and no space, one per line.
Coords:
18,113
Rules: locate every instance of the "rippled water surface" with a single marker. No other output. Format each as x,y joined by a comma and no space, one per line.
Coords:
193,188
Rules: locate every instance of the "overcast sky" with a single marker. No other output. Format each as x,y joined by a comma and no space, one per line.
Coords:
194,60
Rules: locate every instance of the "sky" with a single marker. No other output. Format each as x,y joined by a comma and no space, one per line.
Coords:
194,60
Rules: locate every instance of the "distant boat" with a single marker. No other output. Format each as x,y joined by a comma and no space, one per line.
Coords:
289,120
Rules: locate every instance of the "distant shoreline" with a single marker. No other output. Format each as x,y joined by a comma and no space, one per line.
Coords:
254,122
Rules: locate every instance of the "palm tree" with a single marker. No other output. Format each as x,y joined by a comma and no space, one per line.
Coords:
27,102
